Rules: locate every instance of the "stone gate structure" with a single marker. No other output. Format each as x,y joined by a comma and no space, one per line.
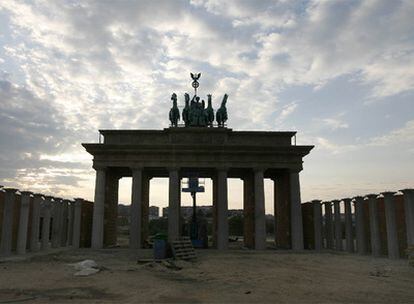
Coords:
216,153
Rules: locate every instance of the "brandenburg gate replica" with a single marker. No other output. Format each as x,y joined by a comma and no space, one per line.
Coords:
199,147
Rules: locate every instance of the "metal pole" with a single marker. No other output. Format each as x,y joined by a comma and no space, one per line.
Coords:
193,194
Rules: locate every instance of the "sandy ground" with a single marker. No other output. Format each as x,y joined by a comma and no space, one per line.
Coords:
235,276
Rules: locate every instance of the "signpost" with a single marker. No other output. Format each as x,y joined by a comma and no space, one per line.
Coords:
193,187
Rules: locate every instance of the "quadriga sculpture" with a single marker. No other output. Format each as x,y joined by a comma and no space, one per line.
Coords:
174,112
209,112
186,110
221,115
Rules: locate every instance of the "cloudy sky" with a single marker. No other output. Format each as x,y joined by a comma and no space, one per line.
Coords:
341,73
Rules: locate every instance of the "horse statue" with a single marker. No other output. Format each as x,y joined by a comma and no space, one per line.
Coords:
174,112
221,115
202,118
194,111
209,112
186,110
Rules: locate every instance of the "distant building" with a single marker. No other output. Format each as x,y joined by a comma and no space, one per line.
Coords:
124,213
187,211
154,212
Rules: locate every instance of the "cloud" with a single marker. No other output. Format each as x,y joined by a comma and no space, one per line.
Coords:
335,124
332,147
396,138
332,123
70,68
288,109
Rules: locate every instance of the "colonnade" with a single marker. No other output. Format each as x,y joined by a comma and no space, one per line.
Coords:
289,229
381,224
33,222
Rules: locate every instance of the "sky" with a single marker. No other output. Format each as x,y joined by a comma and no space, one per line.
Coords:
340,73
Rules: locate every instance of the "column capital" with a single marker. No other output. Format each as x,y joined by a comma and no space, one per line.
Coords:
358,198
222,168
26,192
47,202
137,168
78,200
327,203
335,201
259,169
388,193
316,201
38,195
78,203
371,195
48,197
99,167
408,190
10,190
347,199
173,168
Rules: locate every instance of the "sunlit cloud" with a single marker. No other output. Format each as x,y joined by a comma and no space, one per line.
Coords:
70,68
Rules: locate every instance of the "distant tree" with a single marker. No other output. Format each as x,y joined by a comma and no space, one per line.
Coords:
236,225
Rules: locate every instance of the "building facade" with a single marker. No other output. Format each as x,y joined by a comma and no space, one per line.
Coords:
216,153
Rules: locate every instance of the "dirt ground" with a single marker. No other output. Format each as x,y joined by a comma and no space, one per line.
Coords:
235,276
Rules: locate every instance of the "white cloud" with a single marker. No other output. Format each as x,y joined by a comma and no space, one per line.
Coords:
71,68
288,109
333,123
399,138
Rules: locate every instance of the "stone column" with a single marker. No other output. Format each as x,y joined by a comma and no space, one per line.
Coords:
296,212
47,205
374,225
338,225
145,207
222,210
248,210
259,211
391,223
349,235
136,209
71,206
317,222
328,225
56,223
34,237
77,218
282,211
173,205
64,224
360,227
98,209
110,208
7,225
409,214
23,222
214,228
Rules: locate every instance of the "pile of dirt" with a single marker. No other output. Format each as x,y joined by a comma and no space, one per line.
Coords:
164,265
